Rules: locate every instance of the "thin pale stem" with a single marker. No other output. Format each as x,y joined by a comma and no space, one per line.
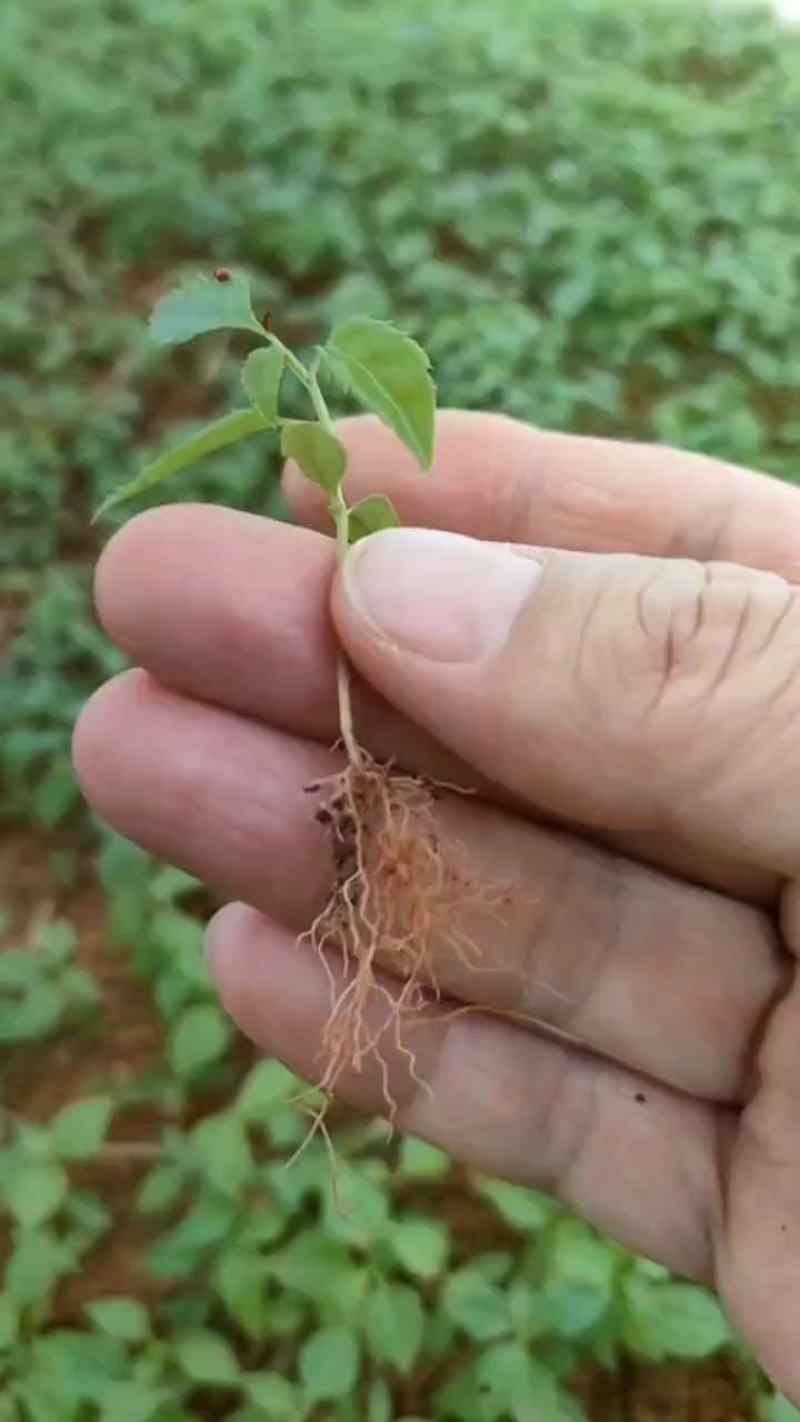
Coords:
129,1150
341,519
293,364
321,410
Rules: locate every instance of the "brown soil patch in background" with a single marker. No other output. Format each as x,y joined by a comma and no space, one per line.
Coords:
39,1079
678,1392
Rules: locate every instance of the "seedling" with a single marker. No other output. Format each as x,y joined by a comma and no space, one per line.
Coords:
397,890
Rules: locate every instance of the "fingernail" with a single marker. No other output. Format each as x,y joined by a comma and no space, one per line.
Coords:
443,596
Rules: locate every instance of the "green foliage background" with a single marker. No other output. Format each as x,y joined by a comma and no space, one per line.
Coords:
588,212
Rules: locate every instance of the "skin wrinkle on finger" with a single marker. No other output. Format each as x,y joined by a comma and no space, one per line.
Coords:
505,1101
580,945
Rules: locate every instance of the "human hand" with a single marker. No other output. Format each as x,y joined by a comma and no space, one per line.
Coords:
647,705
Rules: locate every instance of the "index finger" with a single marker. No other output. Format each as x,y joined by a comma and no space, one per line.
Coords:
497,478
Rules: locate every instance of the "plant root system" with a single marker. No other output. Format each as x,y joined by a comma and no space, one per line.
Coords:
401,897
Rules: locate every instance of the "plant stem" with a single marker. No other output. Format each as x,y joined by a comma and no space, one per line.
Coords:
341,518
129,1150
294,365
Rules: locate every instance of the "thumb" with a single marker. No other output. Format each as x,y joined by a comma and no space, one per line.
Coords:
623,692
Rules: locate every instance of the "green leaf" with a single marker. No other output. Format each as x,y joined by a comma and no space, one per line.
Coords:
160,1189
314,1266
9,1321
262,1223
395,1323
320,455
261,378
79,1129
419,1161
201,304
519,1386
329,1365
206,1357
227,430
389,374
199,1037
781,1410
136,1402
39,1258
240,1282
169,884
42,1402
379,1403
421,1246
370,515
672,1320
79,1364
357,1210
526,1307
575,1254
34,1016
460,1398
523,1208
273,1395
184,1249
286,1127
224,1152
122,1318
58,939
34,1193
494,1265
267,1084
477,1306
55,795
19,968
579,1277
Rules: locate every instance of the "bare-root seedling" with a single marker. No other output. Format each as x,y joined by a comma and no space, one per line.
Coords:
399,890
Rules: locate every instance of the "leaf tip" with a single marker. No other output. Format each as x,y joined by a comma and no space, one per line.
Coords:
101,510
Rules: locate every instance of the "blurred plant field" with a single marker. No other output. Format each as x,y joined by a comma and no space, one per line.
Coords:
589,213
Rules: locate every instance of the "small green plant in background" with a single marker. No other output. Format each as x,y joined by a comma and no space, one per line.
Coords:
41,986
288,1295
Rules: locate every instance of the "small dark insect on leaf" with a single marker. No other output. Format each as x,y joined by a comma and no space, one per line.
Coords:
640,1097
222,274
312,789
